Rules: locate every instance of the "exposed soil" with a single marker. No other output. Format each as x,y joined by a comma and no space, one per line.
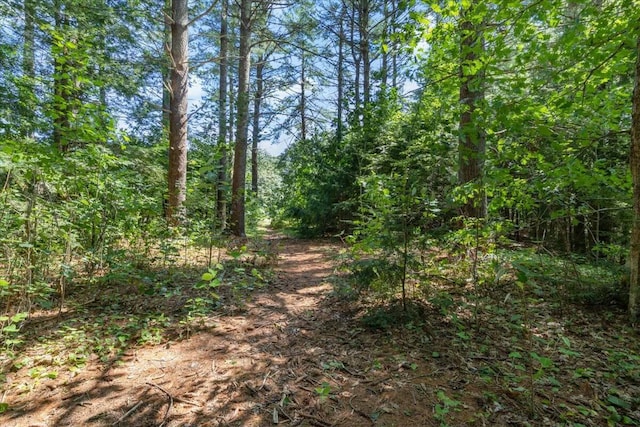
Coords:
298,355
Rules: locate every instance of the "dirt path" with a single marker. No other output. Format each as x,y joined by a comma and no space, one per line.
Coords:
298,355
290,358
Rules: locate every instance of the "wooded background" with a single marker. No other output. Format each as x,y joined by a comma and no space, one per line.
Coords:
471,124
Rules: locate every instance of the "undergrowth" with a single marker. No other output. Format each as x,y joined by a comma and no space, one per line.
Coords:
528,321
136,304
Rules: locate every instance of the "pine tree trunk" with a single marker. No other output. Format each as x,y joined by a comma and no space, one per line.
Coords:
340,65
240,153
634,253
27,95
221,194
355,53
177,176
302,107
363,28
62,84
166,70
257,103
384,68
471,146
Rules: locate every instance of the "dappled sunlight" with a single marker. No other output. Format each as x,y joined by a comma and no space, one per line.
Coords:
295,353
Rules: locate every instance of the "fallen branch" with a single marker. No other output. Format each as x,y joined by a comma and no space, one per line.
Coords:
166,414
359,412
129,412
315,420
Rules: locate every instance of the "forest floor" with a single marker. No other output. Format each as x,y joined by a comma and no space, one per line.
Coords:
295,353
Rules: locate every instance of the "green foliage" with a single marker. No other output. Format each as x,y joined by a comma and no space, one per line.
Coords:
323,391
67,216
392,215
318,187
444,407
573,279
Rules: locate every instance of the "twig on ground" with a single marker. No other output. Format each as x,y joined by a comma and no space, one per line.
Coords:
315,420
266,377
360,412
129,412
166,414
378,381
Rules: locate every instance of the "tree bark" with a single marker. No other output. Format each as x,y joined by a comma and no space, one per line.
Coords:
471,145
340,66
240,153
634,253
355,53
62,83
177,176
166,70
302,107
27,95
384,68
257,103
363,29
221,193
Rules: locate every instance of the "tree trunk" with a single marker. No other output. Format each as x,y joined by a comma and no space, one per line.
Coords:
240,153
232,107
384,68
340,65
177,176
221,194
166,70
363,29
62,83
27,95
355,53
303,97
257,102
634,253
471,146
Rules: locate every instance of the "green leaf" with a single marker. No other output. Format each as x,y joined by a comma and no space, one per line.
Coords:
10,328
19,317
209,275
616,401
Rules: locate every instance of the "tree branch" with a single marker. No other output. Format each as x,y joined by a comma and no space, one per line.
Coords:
203,14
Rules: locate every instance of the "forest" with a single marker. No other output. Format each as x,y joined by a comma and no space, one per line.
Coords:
319,213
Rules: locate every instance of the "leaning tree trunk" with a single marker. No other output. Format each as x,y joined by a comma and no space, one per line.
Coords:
471,146
634,255
240,153
177,176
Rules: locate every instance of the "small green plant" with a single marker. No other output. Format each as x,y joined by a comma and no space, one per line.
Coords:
11,329
323,391
212,279
376,366
332,365
444,407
